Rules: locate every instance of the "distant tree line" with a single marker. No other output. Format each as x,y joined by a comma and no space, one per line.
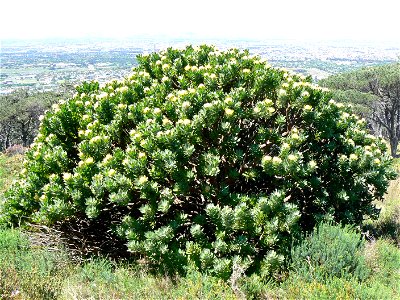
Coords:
20,112
375,94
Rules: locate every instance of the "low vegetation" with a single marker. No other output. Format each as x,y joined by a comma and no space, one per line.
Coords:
366,270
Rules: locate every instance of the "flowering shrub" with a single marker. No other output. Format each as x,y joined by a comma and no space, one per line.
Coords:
204,157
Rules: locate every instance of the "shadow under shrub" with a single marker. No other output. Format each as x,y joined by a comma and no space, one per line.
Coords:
201,157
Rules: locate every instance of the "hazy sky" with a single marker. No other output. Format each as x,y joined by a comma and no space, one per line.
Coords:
373,20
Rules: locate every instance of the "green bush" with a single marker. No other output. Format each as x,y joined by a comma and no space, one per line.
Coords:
330,251
202,157
334,263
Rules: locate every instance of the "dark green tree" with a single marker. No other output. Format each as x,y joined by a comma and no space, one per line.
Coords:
375,91
19,115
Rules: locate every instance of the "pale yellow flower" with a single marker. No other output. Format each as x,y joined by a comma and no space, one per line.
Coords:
266,159
268,101
185,104
282,92
228,100
142,179
305,94
107,158
276,160
166,121
229,112
103,95
182,92
123,89
312,164
285,85
353,156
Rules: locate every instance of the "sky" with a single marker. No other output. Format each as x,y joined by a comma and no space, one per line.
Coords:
363,20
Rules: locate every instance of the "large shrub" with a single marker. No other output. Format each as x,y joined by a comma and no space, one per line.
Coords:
203,157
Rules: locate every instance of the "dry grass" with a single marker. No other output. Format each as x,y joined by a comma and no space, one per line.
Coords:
10,166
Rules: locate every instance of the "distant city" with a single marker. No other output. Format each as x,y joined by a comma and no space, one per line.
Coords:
48,64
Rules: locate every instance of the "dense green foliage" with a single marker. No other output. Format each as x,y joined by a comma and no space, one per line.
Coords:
375,92
204,158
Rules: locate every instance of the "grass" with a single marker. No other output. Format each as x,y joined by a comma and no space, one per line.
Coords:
10,166
103,280
388,224
28,271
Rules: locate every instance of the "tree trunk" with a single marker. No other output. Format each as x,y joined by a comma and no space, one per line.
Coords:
394,142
